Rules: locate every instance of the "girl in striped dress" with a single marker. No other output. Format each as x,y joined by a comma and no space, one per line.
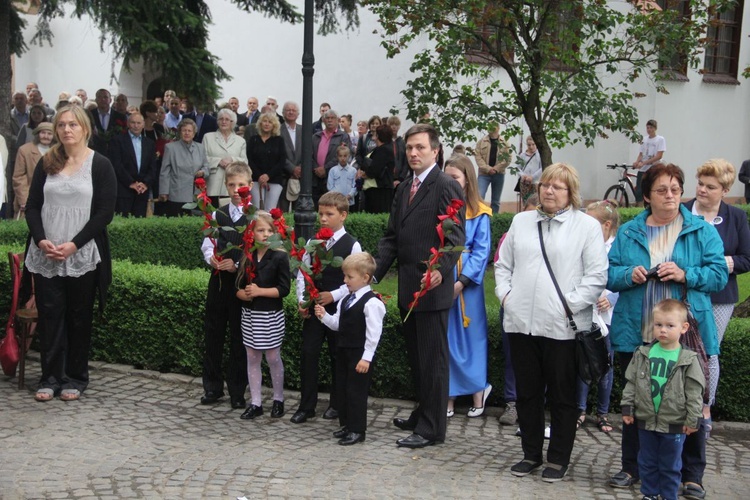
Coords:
263,315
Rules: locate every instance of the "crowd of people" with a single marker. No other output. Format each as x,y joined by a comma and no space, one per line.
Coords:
638,282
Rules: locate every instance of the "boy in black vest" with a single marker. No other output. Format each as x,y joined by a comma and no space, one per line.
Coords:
359,318
222,305
333,209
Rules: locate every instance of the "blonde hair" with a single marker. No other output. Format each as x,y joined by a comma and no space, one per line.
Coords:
55,158
471,190
361,262
271,117
672,306
569,176
605,211
724,172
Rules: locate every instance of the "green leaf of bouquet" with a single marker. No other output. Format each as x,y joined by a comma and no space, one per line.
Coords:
190,206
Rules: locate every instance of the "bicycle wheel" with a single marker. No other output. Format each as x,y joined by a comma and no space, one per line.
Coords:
618,194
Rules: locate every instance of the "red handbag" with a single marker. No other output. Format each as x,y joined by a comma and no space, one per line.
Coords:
9,351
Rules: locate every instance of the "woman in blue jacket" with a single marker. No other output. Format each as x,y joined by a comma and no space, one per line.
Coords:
658,254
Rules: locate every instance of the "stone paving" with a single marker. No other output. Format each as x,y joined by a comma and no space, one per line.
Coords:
137,434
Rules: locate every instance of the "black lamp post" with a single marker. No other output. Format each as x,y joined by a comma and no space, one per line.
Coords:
304,214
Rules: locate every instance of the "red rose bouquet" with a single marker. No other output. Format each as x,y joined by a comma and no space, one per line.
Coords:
446,223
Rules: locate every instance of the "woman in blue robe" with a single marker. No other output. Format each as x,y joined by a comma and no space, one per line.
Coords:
467,319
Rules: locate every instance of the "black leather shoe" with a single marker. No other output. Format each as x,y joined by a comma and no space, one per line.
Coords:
277,410
341,433
301,416
238,403
352,438
331,413
404,424
211,397
415,441
252,412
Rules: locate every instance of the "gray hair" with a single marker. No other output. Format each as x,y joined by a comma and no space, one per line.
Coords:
330,113
227,112
290,103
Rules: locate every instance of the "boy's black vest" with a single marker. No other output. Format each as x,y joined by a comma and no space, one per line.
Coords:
333,277
225,237
352,326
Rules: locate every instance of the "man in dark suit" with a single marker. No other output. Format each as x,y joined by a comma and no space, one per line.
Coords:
206,123
107,123
291,132
249,117
133,158
410,236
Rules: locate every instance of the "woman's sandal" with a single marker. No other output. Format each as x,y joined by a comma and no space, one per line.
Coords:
581,420
70,395
604,424
44,395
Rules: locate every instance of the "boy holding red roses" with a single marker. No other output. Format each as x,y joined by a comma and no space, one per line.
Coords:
222,306
333,208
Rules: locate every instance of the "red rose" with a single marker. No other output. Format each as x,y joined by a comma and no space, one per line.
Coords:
324,234
200,184
456,204
244,192
277,213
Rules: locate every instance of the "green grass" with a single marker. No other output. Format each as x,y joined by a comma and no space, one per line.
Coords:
389,287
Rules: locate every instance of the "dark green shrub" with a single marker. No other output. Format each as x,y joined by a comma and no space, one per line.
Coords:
733,394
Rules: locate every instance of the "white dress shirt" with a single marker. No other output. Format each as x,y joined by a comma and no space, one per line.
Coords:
207,247
374,314
340,291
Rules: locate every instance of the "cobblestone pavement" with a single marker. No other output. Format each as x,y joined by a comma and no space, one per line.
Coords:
137,434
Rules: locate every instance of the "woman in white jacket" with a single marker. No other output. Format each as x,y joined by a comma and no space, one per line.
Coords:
542,343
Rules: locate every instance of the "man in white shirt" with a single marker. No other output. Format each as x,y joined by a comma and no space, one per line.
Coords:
174,117
652,150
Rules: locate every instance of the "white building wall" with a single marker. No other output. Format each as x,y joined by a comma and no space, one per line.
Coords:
698,120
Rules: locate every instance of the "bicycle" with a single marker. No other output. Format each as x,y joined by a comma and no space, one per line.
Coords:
619,191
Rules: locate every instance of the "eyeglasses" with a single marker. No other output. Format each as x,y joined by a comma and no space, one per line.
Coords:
544,186
662,191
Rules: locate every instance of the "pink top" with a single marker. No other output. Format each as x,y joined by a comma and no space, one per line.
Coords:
325,140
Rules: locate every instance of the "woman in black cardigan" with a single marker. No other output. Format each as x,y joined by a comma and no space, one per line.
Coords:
71,202
266,155
715,179
380,167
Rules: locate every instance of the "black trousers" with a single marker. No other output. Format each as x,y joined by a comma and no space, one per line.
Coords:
66,312
314,333
222,310
131,203
352,389
172,208
542,363
426,335
693,451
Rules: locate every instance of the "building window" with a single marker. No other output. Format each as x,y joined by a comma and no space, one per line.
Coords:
723,48
563,38
675,66
486,46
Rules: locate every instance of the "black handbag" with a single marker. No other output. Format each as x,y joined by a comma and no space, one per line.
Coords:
592,358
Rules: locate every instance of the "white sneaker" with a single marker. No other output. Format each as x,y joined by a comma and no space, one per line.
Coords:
510,415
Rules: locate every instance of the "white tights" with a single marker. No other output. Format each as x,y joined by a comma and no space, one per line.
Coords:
255,377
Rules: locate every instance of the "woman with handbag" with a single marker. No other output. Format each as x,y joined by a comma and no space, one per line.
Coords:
71,202
542,342
654,257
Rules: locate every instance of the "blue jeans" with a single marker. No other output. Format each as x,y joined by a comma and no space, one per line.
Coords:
496,181
659,463
605,388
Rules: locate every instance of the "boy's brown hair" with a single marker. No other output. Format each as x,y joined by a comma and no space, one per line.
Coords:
673,306
237,168
336,200
361,262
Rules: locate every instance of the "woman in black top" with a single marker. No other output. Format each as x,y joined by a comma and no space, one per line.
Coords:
266,155
380,168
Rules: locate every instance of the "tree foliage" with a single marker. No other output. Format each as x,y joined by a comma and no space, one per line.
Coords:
566,67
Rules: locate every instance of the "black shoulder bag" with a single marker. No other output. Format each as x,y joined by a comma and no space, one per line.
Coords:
592,357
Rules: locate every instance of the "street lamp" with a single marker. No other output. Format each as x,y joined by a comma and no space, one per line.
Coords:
304,214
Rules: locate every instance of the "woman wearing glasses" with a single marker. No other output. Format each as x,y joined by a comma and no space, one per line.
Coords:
654,257
542,344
